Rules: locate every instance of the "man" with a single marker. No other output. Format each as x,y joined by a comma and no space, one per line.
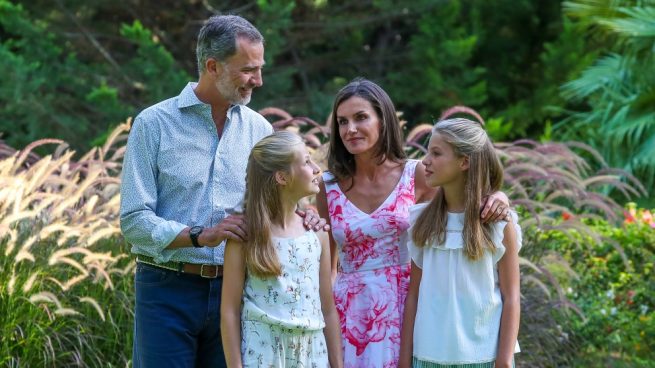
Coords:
182,184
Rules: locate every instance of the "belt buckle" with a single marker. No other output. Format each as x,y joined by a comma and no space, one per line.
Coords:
202,271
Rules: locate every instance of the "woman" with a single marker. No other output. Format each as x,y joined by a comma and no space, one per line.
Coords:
365,196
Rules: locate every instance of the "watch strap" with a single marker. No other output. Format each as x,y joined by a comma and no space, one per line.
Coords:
193,234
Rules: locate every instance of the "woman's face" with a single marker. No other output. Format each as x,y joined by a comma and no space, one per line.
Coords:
359,125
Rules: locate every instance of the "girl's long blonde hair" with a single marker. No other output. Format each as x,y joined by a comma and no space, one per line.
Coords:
483,177
274,153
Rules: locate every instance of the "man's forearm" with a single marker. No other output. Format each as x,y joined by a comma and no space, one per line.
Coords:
182,240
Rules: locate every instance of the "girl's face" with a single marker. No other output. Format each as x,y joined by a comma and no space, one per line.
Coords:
442,165
304,174
359,125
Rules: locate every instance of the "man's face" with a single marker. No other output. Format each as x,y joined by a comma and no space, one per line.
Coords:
241,72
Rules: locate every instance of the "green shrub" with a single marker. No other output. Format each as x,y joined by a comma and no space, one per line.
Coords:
611,282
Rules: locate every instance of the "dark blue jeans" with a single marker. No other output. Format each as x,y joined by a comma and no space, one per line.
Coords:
177,320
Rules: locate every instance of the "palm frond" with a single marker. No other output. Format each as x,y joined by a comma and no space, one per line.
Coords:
591,11
638,22
607,75
617,90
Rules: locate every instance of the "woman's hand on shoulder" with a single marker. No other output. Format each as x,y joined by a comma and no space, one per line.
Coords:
495,208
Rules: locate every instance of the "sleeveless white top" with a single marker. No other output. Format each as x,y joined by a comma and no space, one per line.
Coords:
291,300
459,302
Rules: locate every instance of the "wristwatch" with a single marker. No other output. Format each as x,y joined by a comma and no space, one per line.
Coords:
194,233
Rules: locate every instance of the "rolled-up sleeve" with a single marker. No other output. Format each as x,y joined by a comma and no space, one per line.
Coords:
138,210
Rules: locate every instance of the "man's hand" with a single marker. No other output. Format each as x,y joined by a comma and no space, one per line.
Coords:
495,208
232,227
312,221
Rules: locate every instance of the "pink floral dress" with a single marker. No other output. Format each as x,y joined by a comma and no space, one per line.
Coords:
373,278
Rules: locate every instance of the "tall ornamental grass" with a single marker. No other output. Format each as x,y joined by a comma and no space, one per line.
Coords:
65,275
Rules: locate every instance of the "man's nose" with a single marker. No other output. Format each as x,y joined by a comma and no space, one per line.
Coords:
257,79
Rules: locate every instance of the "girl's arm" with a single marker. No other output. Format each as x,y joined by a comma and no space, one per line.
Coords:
332,330
508,278
321,205
234,270
409,317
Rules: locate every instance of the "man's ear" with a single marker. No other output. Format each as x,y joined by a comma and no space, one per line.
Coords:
213,67
464,165
281,178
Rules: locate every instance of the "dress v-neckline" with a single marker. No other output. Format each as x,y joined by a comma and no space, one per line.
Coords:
395,188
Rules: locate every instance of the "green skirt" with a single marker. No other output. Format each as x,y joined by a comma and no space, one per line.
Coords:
416,363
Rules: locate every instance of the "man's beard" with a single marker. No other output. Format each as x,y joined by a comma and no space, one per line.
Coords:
231,92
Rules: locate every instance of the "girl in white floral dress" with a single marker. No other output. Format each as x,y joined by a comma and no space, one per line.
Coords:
277,308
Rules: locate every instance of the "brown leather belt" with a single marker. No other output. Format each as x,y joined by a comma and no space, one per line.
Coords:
203,270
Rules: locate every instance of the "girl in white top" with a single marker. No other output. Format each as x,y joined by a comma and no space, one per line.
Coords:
277,308
463,306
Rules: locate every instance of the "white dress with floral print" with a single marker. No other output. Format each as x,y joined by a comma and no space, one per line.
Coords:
281,319
373,278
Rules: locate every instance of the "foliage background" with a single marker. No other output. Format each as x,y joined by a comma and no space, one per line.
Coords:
75,69
109,57
540,72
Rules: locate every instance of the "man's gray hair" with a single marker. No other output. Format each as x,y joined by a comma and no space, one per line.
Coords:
217,39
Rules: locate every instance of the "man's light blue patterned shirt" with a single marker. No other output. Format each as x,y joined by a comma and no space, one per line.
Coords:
178,173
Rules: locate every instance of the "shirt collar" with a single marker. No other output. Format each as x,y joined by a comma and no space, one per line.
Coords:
188,98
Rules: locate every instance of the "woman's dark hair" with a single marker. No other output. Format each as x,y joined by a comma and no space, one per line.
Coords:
341,163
